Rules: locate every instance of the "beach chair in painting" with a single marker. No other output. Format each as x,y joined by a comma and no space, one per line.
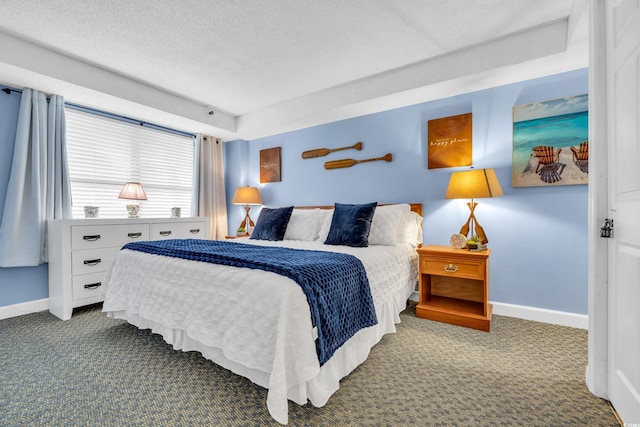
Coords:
581,156
546,155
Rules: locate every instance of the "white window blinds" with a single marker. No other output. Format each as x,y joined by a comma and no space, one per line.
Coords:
104,153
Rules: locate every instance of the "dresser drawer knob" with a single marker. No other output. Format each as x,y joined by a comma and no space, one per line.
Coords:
450,268
194,230
93,285
92,261
92,238
165,233
134,235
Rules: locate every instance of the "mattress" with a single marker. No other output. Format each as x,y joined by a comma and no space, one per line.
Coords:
257,323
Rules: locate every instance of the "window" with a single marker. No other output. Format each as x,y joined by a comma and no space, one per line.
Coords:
104,153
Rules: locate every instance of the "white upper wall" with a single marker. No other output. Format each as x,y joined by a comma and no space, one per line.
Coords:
266,68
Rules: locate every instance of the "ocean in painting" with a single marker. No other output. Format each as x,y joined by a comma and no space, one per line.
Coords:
557,131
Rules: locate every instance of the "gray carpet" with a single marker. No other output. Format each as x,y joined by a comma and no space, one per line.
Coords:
95,371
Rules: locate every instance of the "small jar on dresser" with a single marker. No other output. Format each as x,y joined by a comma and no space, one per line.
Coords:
82,251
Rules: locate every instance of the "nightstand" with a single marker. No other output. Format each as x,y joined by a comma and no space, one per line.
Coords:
454,286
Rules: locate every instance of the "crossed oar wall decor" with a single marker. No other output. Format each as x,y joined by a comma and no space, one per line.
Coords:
342,163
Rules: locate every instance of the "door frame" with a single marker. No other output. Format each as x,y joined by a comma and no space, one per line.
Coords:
598,285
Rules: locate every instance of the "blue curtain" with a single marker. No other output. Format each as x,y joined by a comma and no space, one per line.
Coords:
39,187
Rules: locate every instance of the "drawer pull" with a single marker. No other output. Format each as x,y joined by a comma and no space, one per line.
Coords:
194,230
93,285
92,261
450,268
165,233
92,238
134,235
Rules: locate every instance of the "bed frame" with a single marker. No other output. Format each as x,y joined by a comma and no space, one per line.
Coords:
415,207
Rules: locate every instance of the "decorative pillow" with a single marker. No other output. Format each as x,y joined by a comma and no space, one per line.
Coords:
387,223
350,225
304,224
272,223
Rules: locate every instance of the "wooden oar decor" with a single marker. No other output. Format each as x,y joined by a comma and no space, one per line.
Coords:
345,163
321,152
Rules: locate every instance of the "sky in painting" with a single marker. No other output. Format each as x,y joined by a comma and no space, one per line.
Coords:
554,107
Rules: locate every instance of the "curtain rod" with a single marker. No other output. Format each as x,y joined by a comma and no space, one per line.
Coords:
126,119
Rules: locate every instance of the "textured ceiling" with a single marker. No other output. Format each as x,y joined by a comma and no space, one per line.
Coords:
257,61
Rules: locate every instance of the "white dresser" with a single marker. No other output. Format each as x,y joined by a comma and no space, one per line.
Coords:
82,251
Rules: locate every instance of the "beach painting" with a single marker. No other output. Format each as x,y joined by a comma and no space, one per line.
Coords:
551,142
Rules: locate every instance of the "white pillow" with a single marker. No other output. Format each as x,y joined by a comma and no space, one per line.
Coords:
304,224
412,233
326,224
388,223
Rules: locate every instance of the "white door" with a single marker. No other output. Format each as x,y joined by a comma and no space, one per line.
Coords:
623,111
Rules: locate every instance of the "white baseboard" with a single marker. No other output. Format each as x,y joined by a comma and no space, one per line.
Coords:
554,317
543,315
24,308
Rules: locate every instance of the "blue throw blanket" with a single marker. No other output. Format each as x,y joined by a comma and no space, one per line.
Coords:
335,284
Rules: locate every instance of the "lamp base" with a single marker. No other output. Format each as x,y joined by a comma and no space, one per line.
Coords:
133,210
473,225
247,222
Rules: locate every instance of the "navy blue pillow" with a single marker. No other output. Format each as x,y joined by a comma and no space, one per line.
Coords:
272,223
350,225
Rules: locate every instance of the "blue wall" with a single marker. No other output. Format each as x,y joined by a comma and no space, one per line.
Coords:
26,283
538,235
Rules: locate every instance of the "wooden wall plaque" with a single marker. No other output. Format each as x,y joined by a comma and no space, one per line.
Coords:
270,165
449,141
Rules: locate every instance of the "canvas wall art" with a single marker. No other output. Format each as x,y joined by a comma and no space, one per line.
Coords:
449,141
270,165
551,142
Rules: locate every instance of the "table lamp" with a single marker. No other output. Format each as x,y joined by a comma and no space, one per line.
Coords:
473,184
133,191
247,196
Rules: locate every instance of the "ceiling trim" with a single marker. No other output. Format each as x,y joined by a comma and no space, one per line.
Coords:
517,48
531,53
93,86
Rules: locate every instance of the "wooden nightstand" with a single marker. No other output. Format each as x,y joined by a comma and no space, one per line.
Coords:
454,286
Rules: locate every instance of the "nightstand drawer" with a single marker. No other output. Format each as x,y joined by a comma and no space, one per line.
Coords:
466,268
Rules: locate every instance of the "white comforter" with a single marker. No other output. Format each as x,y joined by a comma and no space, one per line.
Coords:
254,322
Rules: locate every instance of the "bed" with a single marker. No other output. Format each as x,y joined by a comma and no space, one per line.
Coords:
258,323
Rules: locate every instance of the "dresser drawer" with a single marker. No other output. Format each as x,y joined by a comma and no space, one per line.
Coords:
92,260
470,269
89,286
182,230
96,236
